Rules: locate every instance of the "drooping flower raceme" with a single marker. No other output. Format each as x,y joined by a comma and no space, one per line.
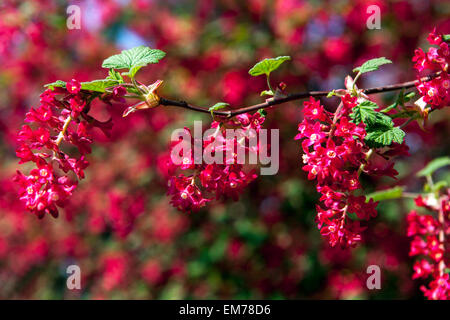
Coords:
201,182
59,117
436,92
335,154
429,243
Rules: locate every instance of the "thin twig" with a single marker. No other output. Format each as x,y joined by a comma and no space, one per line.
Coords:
290,97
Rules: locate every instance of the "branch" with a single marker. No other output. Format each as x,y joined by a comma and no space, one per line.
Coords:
290,97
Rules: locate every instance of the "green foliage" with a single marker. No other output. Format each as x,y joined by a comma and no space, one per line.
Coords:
332,93
379,127
99,85
433,166
384,136
57,83
134,59
446,37
114,75
372,65
266,66
95,85
364,112
440,185
262,113
267,93
218,106
392,193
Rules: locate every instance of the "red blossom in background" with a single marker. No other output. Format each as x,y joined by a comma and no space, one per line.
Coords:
429,242
435,92
119,226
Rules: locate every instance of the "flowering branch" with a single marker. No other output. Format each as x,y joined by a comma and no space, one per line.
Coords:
291,97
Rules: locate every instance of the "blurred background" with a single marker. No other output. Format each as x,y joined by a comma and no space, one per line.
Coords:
119,227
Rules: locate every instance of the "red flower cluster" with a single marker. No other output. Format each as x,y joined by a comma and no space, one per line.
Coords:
429,242
335,154
44,189
437,91
222,180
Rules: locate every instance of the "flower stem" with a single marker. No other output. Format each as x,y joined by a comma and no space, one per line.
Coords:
406,123
63,131
268,83
361,167
441,237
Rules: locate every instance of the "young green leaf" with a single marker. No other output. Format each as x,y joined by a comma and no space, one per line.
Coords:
439,185
114,75
407,97
266,66
372,65
364,112
99,85
267,93
446,37
95,85
57,83
262,112
133,59
384,136
380,120
218,106
433,166
392,193
332,93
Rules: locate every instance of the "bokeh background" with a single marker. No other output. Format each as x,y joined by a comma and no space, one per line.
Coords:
119,227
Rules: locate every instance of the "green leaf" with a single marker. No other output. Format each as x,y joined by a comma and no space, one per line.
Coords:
379,127
407,97
114,75
331,93
133,59
380,120
384,136
267,93
433,166
99,85
392,193
446,37
57,83
95,85
262,112
266,66
439,185
389,108
218,106
372,65
364,112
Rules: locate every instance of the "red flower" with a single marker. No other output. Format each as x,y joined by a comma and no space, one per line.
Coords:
437,91
429,242
208,181
335,154
73,86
